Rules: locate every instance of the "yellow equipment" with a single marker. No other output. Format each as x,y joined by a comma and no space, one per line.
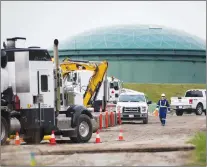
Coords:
95,81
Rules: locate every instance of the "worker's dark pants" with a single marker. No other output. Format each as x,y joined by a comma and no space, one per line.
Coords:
163,114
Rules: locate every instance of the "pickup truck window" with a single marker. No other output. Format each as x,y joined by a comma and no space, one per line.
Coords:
132,98
194,93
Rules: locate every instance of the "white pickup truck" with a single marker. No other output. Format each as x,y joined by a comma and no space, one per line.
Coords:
133,106
194,101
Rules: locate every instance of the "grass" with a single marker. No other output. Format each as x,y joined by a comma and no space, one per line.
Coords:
153,91
199,154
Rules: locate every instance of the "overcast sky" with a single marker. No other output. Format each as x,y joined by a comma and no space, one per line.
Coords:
41,22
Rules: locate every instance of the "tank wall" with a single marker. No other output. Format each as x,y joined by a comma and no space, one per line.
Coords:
158,71
148,70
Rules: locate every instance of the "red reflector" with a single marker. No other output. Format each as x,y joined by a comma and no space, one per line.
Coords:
190,101
112,91
17,102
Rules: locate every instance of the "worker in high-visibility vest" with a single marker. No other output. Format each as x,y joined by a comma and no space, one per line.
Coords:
163,106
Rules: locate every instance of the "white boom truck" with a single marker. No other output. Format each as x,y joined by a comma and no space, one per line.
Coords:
113,86
193,101
30,97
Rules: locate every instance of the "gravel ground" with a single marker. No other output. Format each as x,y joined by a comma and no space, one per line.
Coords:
177,131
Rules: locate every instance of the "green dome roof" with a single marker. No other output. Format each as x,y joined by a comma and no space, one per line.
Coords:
134,37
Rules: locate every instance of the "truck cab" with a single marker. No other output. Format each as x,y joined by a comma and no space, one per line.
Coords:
115,87
34,82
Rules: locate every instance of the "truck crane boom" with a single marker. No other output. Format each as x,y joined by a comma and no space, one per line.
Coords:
95,81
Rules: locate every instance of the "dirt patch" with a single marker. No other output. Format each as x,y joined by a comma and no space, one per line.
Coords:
111,159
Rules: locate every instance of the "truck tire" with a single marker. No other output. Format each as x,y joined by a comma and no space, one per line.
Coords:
84,130
33,137
179,112
145,121
4,130
199,109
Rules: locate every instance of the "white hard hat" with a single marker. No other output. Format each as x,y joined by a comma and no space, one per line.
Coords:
163,95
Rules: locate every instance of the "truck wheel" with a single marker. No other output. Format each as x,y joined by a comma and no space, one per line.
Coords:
4,130
84,130
179,112
145,121
33,137
199,109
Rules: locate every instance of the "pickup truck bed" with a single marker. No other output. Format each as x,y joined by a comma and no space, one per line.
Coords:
194,101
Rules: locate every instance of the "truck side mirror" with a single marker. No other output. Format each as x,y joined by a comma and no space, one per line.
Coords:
149,102
4,59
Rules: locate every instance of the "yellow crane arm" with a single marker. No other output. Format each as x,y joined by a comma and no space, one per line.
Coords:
67,67
95,81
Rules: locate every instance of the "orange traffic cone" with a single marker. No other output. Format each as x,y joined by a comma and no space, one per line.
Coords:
156,113
52,140
98,139
17,140
121,138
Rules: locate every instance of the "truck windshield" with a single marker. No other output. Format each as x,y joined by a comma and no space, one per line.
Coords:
114,85
131,98
69,77
39,55
194,93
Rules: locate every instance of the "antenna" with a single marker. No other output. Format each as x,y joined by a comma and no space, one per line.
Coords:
75,44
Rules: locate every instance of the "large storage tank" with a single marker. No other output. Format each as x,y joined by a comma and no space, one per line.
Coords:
142,53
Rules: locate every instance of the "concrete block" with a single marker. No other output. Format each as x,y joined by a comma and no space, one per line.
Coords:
109,119
115,118
110,123
103,120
